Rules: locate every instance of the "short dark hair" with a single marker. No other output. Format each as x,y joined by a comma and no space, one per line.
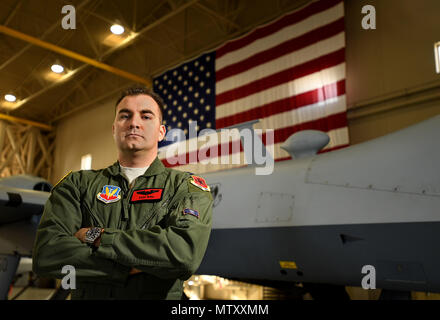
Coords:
137,90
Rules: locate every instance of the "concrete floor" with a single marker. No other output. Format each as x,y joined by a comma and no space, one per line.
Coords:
32,293
228,292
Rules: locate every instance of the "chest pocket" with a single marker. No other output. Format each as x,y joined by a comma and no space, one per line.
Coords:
157,213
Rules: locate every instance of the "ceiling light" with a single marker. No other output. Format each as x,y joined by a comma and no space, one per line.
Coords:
57,68
117,29
10,97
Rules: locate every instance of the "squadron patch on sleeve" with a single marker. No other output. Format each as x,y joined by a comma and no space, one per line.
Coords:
200,183
191,212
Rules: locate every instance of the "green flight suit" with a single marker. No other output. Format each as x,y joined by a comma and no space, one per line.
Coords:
160,238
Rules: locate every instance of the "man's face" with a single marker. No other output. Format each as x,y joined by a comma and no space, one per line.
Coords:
137,124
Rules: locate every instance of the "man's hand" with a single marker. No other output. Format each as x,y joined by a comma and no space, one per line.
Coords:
81,234
134,271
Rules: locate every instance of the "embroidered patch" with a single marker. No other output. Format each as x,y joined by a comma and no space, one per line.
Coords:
200,183
191,212
109,194
147,195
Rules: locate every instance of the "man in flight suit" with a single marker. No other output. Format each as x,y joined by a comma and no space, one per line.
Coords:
134,230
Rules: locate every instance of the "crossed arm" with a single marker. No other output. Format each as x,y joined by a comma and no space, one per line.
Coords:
172,251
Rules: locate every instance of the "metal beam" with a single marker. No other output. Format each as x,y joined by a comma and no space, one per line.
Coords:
53,85
151,26
66,37
134,17
13,12
13,153
2,134
31,150
136,36
89,37
46,152
25,121
110,51
71,88
15,147
48,31
152,12
73,55
105,95
212,13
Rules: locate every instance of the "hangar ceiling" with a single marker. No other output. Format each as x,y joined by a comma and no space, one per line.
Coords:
158,35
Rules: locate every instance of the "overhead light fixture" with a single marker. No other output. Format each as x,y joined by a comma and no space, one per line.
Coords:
117,29
10,97
57,68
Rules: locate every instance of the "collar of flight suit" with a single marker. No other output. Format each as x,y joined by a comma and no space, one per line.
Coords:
155,168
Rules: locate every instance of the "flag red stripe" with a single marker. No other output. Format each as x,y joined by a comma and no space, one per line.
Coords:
287,20
205,153
284,48
325,124
290,103
332,122
302,70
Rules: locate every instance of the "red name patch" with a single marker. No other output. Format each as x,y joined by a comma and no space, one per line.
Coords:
147,195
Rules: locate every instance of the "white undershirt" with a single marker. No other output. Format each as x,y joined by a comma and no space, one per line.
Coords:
132,173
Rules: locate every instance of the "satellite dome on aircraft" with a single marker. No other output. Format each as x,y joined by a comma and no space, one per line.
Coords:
305,143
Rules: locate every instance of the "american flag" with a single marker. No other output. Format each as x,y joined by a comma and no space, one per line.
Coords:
289,74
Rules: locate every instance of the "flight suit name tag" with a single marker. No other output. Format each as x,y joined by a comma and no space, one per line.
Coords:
147,195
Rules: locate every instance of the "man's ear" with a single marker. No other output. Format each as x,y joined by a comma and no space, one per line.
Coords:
162,132
113,129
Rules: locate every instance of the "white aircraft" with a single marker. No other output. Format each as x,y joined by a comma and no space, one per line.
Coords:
22,200
370,210
318,219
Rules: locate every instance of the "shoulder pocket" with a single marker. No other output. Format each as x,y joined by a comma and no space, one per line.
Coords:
193,207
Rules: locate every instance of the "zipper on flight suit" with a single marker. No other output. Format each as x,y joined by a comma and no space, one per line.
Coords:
164,203
145,224
125,214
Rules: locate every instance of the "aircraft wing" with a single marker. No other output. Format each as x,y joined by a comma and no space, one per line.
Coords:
20,204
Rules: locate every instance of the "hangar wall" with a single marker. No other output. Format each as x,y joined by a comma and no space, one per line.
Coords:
391,83
391,79
88,132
